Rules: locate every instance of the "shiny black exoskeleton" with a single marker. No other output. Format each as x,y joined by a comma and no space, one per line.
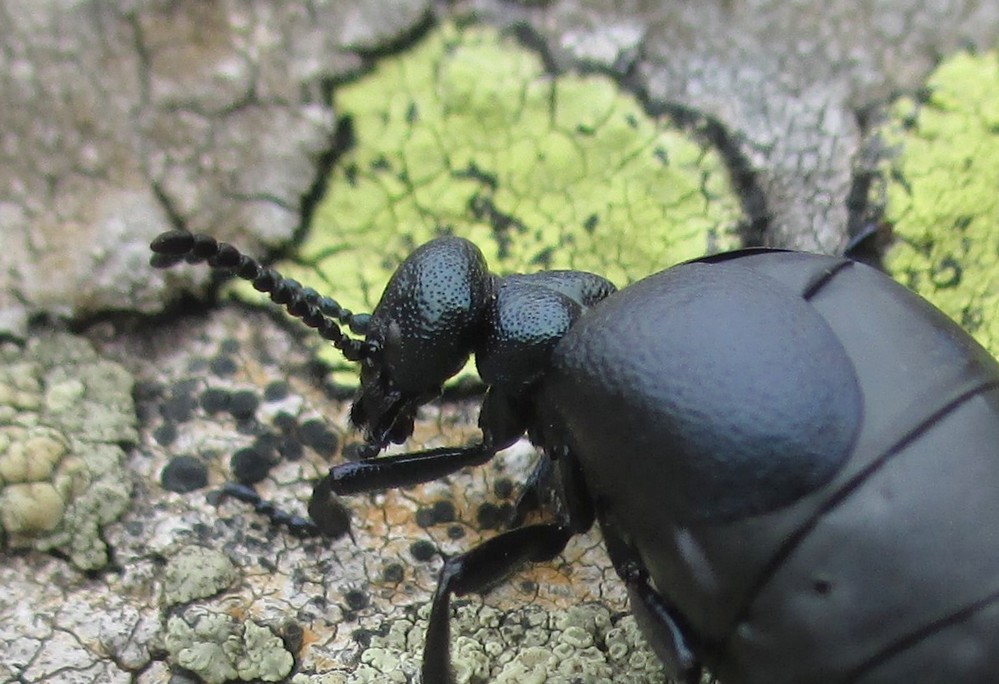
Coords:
793,459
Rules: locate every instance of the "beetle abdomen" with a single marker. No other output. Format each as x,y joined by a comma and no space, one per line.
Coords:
716,386
885,567
907,551
893,565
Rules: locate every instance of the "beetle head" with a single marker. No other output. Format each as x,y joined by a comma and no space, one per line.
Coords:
420,334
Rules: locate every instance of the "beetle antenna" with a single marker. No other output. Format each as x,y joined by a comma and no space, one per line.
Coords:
316,311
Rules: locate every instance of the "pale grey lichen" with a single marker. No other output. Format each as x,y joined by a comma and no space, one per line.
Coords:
526,646
196,572
218,647
65,416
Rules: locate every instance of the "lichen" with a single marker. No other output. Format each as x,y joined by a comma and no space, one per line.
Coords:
524,646
65,414
218,647
941,193
466,133
196,572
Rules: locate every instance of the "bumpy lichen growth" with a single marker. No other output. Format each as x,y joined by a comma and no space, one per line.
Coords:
526,646
196,572
467,134
218,647
943,193
64,415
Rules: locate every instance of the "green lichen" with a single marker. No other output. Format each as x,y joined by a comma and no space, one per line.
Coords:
219,648
526,646
196,572
467,134
64,415
942,193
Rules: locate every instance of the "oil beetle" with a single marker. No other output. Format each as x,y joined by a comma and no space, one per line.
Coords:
793,459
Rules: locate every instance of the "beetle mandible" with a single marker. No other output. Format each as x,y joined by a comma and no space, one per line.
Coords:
790,456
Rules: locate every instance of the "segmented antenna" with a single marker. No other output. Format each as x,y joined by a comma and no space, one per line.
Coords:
316,311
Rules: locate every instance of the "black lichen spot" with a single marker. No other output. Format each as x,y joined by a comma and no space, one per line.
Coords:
291,449
243,404
214,400
292,635
503,488
250,466
443,512
320,438
184,474
363,637
267,442
223,366
356,599
179,408
165,434
285,422
276,391
393,573
489,516
425,517
455,532
423,550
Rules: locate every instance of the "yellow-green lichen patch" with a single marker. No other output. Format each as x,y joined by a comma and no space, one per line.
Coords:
943,193
219,648
64,415
467,134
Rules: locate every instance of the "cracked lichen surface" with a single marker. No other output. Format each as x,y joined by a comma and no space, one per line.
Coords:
942,198
219,647
65,415
466,133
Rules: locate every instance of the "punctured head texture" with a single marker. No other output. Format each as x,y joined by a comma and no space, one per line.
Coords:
942,193
527,322
739,381
465,133
423,330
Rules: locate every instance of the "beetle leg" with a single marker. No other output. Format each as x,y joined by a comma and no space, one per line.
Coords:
403,470
660,622
476,571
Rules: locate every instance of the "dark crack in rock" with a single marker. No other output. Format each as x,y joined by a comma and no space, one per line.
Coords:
123,120
789,82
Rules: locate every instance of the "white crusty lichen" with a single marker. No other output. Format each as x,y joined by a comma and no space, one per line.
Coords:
65,416
219,648
529,645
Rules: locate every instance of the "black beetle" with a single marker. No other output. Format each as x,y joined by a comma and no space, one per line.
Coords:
791,457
